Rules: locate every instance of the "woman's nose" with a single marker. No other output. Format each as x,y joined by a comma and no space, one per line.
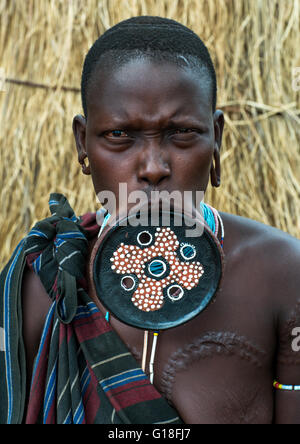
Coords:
154,165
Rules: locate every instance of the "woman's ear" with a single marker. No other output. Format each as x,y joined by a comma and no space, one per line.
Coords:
215,172
79,130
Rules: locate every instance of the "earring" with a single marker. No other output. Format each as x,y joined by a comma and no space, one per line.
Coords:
216,182
215,176
85,169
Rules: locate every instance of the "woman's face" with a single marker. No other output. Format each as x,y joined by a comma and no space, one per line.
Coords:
150,126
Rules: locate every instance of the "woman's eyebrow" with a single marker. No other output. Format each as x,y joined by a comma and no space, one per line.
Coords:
163,122
188,121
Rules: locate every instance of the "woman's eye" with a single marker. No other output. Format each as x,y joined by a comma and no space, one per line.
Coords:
182,130
117,134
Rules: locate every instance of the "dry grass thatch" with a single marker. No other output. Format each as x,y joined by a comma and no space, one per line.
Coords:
255,46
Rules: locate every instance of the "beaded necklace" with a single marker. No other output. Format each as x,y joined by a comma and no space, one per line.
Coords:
214,221
279,386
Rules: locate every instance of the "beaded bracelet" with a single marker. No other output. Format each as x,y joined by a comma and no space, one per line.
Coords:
285,387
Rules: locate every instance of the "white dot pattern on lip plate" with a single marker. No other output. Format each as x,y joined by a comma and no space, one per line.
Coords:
131,259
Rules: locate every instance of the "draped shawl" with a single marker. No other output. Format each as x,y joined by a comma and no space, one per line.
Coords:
83,372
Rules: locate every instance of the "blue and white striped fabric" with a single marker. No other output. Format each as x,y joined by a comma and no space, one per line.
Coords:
123,378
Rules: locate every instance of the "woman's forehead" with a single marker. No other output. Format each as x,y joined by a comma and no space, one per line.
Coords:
142,86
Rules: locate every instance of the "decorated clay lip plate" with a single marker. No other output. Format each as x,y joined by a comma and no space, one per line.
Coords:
154,277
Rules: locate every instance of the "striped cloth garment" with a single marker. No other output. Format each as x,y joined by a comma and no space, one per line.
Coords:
83,372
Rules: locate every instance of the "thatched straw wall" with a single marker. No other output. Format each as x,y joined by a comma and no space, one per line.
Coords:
255,47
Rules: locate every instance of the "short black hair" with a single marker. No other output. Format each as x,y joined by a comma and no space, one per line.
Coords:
157,38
